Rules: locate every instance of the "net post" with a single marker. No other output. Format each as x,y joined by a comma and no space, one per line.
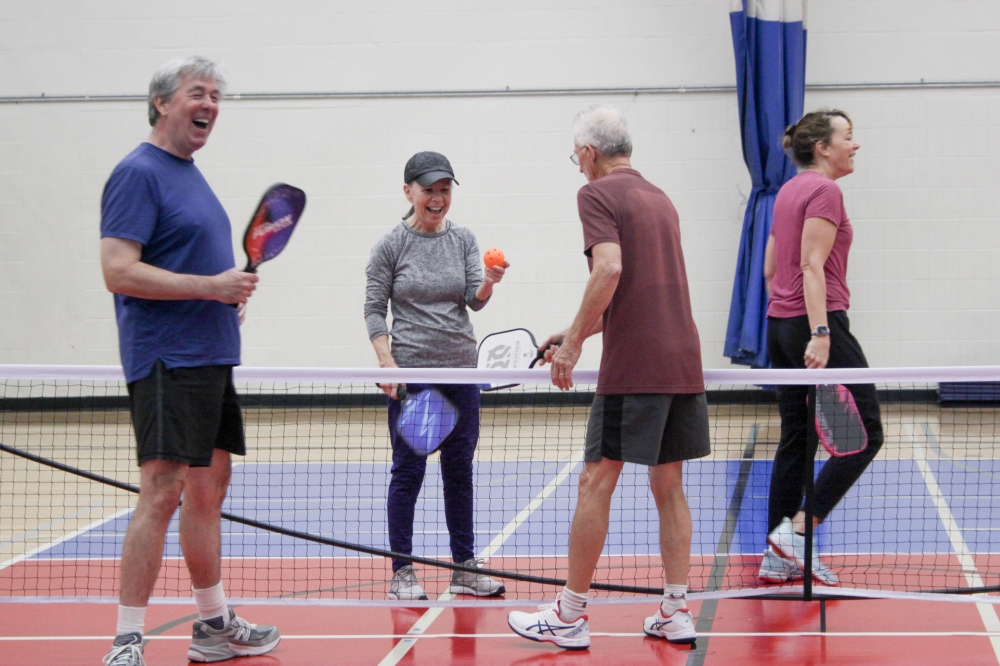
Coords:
812,444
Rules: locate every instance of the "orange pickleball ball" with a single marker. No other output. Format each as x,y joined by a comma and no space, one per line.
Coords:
493,257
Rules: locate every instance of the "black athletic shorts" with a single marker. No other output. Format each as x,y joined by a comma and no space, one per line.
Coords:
183,415
648,428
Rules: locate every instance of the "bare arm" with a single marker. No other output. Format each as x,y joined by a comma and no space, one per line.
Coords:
818,235
589,320
125,273
770,264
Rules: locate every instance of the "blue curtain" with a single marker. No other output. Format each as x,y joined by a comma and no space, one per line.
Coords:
769,41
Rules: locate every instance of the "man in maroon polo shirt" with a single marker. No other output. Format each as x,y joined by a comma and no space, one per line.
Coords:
650,406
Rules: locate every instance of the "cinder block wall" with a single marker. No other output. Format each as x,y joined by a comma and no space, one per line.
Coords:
924,271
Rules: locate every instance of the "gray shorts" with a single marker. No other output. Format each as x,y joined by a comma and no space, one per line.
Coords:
648,428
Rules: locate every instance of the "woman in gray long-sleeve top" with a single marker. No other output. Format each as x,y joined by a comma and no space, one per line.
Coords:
429,269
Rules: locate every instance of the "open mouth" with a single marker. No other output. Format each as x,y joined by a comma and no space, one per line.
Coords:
434,211
200,124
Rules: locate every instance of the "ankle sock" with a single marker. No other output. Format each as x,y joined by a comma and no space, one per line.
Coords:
572,605
131,619
674,599
212,607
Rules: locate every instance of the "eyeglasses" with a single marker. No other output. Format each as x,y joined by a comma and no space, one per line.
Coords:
574,159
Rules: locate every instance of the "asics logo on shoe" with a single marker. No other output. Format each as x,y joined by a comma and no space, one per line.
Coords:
544,627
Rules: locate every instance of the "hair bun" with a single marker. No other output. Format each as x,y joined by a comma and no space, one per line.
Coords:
790,130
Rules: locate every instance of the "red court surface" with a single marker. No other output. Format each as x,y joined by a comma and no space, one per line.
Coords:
776,633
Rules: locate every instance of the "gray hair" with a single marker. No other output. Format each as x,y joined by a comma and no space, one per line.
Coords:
168,77
604,128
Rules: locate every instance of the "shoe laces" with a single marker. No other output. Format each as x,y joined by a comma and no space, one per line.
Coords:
472,563
475,563
240,629
124,655
406,575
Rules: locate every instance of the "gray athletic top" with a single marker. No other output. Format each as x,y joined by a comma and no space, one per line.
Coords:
431,280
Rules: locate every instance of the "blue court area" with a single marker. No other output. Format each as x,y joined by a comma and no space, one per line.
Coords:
891,510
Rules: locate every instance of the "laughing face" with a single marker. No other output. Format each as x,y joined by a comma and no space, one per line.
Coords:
430,204
187,118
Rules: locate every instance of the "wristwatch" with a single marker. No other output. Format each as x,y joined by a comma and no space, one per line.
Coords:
821,330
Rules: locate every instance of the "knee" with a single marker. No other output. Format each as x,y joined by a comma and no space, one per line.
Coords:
594,484
205,498
403,493
668,493
458,468
407,477
667,489
457,480
160,501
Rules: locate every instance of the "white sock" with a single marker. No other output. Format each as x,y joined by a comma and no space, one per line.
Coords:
211,602
674,599
130,619
572,605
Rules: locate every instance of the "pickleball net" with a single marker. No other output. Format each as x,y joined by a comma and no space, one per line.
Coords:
305,519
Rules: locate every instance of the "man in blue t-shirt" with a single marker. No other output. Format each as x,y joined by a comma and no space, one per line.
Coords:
167,255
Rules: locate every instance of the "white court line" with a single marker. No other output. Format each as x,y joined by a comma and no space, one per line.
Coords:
512,635
986,611
425,621
71,535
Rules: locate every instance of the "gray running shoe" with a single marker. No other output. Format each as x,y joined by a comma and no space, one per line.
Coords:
126,651
474,583
404,585
238,638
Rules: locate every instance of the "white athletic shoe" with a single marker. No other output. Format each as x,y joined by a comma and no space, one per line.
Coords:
792,546
776,569
546,626
678,628
404,585
474,583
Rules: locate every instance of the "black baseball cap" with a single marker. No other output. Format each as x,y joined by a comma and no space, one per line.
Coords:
427,168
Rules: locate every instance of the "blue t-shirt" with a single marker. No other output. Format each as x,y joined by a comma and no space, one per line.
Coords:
164,203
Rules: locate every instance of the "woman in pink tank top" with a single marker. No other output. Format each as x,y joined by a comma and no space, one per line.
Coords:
805,266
